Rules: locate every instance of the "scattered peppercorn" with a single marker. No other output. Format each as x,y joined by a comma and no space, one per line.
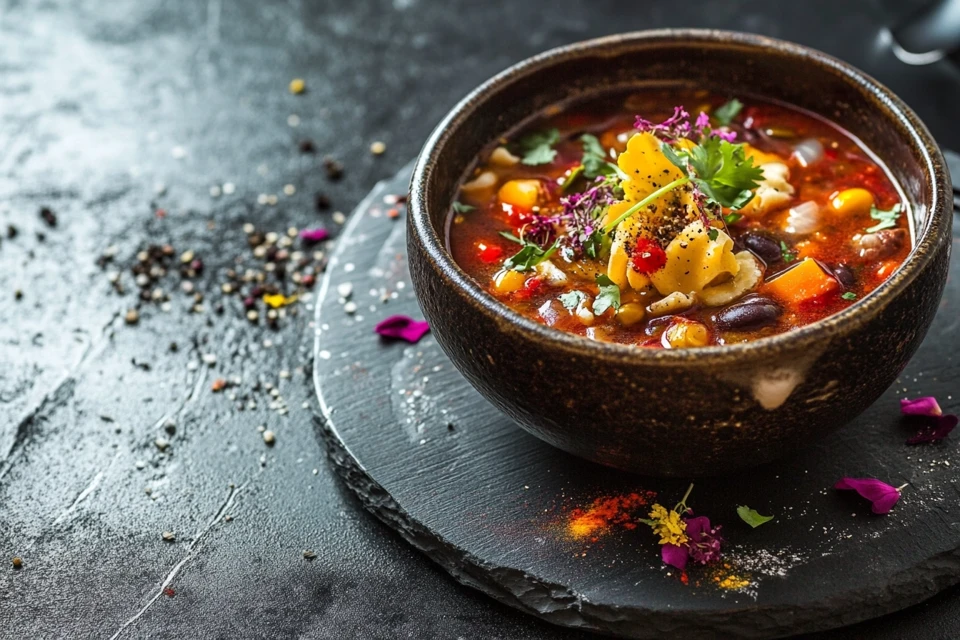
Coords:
378,148
18,294
12,231
308,554
48,216
169,536
321,201
307,146
333,167
218,385
132,316
297,86
269,437
17,562
393,214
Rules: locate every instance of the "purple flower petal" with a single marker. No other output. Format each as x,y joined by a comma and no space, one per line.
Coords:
703,120
729,136
314,235
704,541
920,407
674,556
880,494
945,424
402,328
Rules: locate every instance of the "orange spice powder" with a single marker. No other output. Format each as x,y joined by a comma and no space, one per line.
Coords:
607,512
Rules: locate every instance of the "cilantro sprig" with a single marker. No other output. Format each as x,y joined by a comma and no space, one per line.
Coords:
887,219
459,207
751,517
609,296
786,253
719,168
593,163
725,113
572,299
537,147
529,256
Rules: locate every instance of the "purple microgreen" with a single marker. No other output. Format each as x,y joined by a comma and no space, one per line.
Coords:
751,517
673,128
940,430
926,406
881,495
402,328
314,235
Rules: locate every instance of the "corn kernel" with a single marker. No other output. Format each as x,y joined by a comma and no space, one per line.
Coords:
508,281
297,86
522,194
852,202
630,314
685,334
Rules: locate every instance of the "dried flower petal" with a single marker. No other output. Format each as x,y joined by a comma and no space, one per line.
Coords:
882,495
927,406
705,541
674,555
403,328
942,428
314,235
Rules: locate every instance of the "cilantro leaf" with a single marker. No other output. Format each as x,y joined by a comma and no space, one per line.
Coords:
537,147
572,299
597,243
713,234
785,252
609,295
529,256
459,207
595,160
751,517
732,218
724,114
721,170
849,295
887,219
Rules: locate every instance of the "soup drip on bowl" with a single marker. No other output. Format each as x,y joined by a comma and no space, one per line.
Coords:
629,218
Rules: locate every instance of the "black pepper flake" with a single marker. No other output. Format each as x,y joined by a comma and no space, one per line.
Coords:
12,231
307,146
48,216
333,167
321,201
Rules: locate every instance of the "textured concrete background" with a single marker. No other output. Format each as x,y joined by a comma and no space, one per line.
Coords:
111,110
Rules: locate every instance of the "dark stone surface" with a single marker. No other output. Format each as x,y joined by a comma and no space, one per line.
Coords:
434,460
93,98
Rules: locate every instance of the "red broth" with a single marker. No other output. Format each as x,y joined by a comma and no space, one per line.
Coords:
812,248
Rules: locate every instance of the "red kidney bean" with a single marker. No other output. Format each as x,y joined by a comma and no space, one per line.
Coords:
748,314
763,247
845,275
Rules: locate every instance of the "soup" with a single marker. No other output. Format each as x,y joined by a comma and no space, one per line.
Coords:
672,229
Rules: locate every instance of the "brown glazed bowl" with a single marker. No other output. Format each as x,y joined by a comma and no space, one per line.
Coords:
697,411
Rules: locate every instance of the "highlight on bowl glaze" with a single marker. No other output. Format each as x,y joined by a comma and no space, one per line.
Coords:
781,246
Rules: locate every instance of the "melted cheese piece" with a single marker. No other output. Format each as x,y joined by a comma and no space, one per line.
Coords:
694,261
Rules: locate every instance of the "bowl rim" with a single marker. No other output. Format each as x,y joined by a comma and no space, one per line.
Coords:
930,235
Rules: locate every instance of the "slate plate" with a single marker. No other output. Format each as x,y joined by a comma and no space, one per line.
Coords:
511,516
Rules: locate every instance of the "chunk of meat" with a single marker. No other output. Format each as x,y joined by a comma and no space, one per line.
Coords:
880,245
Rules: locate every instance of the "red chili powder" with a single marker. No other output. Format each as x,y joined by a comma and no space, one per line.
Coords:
607,512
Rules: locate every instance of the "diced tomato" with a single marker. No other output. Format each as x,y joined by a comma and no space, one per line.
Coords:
830,153
648,256
530,287
489,253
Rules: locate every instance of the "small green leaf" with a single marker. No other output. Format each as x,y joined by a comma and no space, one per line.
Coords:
609,296
537,147
732,218
595,160
529,256
459,207
887,219
785,252
751,517
725,113
849,295
572,299
575,173
713,234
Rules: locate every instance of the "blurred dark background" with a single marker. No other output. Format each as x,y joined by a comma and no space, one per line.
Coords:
111,111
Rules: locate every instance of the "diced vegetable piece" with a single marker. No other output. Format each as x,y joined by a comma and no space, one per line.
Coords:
803,282
483,182
489,253
673,303
501,157
630,314
508,281
852,202
684,334
522,194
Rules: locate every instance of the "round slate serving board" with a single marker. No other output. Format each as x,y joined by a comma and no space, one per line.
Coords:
530,525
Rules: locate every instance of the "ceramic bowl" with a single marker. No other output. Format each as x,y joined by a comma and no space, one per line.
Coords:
700,411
